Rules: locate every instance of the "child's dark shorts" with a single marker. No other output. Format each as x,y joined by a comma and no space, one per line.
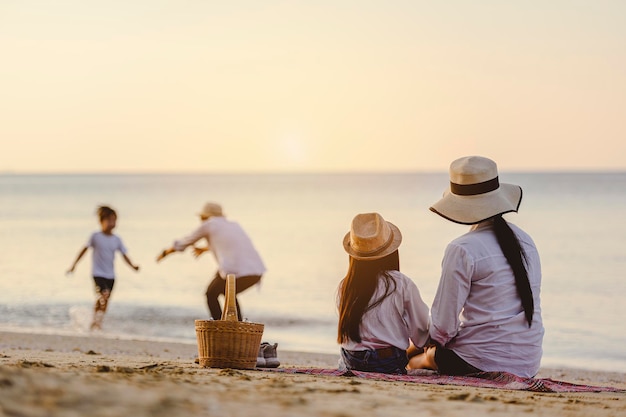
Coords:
103,284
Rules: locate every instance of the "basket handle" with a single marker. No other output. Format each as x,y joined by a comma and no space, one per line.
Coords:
230,305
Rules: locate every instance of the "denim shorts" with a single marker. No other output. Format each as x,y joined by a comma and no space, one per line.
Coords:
394,360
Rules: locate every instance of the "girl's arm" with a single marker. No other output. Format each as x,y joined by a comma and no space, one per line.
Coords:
416,316
80,255
130,263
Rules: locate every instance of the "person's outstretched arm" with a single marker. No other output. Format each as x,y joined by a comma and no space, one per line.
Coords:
181,244
130,263
165,253
80,255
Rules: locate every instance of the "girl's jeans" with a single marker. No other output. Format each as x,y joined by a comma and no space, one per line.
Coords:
390,360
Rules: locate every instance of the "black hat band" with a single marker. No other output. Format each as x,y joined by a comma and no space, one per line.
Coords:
475,189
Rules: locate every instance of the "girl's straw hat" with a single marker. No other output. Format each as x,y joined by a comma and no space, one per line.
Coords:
371,237
475,193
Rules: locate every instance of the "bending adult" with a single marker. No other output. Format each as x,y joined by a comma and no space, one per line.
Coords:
486,314
233,251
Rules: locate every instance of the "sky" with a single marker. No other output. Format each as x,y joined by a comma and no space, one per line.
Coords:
308,86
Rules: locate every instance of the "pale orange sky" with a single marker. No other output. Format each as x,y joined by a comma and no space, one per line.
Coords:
194,86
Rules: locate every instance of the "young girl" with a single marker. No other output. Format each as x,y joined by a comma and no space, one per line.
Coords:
104,244
380,309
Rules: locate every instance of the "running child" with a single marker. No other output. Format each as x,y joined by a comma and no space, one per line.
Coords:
104,244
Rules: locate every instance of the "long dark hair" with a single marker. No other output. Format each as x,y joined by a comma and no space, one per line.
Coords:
356,290
515,255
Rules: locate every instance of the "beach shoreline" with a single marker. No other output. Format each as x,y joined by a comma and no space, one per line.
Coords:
49,375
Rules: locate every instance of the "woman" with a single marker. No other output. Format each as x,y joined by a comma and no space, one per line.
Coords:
380,309
486,315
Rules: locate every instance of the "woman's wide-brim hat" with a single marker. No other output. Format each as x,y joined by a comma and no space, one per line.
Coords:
371,237
475,193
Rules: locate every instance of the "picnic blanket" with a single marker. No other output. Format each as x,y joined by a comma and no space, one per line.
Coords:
501,380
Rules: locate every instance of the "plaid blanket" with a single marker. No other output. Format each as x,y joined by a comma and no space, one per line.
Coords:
501,380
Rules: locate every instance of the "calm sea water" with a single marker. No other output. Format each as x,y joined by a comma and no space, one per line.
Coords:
297,222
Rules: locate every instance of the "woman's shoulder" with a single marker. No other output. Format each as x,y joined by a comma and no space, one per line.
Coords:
523,236
471,244
470,239
484,236
518,230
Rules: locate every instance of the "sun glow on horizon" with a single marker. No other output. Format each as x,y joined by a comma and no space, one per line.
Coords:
293,151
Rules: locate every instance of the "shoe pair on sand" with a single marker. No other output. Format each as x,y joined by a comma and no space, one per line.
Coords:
268,356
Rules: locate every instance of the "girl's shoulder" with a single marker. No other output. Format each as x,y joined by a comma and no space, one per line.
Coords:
400,278
405,288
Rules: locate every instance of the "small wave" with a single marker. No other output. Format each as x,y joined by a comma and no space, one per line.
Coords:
172,324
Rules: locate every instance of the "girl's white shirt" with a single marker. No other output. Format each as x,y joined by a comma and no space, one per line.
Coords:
401,316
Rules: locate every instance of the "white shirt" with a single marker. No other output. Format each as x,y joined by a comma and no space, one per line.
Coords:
401,316
231,246
104,248
477,311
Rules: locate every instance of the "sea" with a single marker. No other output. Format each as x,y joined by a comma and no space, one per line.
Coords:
297,222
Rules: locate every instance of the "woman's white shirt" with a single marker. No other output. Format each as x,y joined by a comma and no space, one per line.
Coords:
477,311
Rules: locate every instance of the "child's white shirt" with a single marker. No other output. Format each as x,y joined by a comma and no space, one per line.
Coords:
104,247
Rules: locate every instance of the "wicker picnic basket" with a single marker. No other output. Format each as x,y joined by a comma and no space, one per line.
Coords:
228,343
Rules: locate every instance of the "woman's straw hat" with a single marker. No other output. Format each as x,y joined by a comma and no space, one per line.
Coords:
371,237
211,209
475,193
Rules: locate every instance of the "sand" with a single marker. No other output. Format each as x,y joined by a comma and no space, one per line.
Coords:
51,375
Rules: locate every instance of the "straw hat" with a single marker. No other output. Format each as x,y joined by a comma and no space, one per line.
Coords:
211,209
475,193
371,237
